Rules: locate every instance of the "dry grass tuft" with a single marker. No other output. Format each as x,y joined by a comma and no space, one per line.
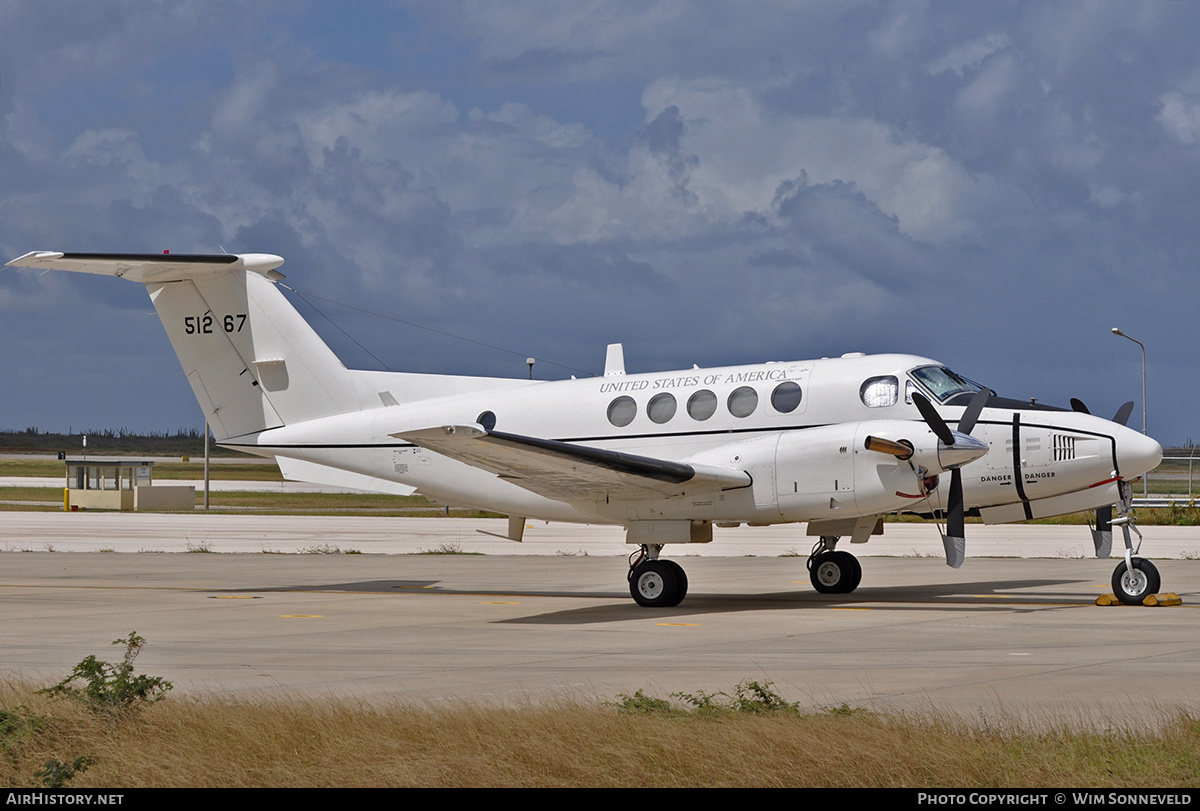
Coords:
225,742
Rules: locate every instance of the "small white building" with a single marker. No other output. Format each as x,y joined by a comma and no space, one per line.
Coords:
121,484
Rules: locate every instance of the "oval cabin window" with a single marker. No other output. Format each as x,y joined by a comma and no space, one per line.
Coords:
786,397
621,411
743,401
702,405
661,408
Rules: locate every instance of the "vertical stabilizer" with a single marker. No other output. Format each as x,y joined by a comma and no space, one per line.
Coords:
253,362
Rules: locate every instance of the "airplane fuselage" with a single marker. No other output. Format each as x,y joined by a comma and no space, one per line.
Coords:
797,428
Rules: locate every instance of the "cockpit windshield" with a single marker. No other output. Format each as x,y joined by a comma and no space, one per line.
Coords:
943,383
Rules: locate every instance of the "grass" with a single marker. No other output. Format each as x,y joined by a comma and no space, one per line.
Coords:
45,499
447,549
217,471
1178,515
268,503
213,741
328,549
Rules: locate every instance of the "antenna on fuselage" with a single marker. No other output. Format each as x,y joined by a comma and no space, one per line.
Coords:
614,361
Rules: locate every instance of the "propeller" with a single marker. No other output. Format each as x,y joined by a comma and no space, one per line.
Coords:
1077,405
955,449
954,540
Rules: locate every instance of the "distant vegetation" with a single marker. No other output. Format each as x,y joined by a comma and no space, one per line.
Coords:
183,442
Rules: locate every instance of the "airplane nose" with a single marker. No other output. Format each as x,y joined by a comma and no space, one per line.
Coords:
1137,453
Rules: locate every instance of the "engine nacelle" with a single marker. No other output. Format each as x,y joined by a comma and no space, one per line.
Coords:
827,472
916,443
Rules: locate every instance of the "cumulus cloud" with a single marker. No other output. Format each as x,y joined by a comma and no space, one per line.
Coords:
969,54
1179,115
708,183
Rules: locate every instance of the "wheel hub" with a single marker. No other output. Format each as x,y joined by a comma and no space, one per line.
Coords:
1133,582
829,573
650,584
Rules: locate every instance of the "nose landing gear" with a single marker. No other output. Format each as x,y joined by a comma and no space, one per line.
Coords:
1135,578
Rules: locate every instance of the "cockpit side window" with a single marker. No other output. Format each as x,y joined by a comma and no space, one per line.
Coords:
880,392
942,383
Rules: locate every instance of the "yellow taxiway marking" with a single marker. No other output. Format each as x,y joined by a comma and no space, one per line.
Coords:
302,616
678,624
233,597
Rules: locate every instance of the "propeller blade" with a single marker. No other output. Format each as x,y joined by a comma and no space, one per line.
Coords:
956,517
1122,415
966,423
956,551
1102,534
933,419
1077,405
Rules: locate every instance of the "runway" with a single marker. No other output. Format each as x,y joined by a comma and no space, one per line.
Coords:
1000,638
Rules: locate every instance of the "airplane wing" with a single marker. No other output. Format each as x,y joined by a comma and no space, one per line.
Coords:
567,472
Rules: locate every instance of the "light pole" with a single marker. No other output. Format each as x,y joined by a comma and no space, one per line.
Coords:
1117,331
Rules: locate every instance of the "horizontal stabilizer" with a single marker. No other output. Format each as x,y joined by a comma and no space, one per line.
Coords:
152,267
568,472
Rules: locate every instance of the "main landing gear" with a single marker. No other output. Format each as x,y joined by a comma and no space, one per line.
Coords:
656,582
833,572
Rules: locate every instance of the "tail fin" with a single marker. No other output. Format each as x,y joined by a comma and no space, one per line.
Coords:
253,362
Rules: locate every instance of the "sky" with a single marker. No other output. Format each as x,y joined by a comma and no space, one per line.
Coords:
993,185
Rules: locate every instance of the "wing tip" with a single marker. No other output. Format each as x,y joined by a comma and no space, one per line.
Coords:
27,259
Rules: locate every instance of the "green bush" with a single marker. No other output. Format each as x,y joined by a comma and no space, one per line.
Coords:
112,688
55,773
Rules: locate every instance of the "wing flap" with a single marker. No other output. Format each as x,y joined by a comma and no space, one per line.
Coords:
569,472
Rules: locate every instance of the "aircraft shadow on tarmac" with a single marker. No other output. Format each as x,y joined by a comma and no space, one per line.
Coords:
989,595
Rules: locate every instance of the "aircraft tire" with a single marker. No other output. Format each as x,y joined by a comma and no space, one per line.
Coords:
654,584
833,572
855,572
681,581
1132,587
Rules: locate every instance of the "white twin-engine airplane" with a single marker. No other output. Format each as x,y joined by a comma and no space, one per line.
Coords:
836,443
